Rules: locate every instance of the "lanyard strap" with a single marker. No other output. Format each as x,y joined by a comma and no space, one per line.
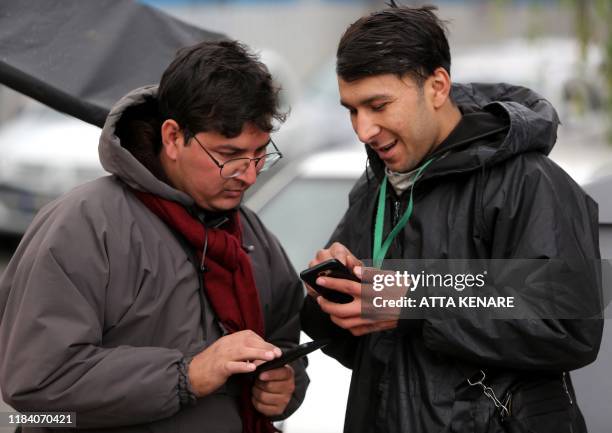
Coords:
380,249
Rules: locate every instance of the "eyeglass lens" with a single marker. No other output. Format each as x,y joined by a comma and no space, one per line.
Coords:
236,167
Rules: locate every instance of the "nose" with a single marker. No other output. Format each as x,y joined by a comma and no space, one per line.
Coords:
250,175
365,128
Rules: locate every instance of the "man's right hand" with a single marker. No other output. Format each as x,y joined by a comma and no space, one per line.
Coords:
231,354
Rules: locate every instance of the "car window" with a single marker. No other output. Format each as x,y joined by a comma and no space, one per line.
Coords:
304,214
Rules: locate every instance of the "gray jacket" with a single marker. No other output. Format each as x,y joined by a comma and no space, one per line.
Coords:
100,306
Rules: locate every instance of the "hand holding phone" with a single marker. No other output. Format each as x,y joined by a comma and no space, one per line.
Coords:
332,268
290,355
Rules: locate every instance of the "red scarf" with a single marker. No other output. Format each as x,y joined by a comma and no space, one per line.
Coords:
229,284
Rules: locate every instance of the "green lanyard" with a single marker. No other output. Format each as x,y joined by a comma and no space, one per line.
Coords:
380,249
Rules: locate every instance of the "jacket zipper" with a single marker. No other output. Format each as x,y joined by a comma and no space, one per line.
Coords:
396,212
397,206
563,377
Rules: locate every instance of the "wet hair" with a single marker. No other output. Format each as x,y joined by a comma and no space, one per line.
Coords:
218,87
399,40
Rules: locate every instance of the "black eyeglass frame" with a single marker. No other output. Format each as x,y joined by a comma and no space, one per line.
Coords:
277,153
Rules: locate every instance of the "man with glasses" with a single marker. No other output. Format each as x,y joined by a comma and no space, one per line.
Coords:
142,301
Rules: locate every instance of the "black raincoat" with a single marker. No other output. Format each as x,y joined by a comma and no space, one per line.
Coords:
495,194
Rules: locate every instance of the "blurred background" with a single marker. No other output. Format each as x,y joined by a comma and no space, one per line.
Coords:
560,48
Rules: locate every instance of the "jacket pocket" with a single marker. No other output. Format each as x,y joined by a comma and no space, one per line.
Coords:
544,406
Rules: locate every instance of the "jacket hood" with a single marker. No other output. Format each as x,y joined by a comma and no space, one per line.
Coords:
132,158
531,127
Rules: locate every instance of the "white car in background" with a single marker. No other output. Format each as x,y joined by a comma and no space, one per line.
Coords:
552,67
44,154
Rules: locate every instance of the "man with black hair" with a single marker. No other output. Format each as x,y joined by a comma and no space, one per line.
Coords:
143,300
455,172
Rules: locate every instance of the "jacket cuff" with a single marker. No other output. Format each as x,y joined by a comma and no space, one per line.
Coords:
185,393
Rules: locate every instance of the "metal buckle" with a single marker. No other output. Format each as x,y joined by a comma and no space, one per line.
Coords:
488,392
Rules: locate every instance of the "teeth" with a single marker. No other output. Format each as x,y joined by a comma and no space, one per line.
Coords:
384,149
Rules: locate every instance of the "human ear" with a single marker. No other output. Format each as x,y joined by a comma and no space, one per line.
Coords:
440,86
171,138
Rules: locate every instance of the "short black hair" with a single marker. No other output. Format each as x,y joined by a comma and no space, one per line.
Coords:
218,86
398,40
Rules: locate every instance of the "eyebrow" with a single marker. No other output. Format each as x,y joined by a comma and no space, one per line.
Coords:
228,147
232,148
365,101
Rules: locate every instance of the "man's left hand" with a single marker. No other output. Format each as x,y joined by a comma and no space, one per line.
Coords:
273,389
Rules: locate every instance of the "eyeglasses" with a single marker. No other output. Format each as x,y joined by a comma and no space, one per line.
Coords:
238,166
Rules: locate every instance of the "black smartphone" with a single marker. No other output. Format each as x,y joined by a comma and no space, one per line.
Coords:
330,268
292,354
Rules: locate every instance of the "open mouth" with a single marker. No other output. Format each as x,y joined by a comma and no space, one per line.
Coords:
384,150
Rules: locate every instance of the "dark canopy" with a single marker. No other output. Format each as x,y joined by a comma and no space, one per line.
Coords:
80,56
